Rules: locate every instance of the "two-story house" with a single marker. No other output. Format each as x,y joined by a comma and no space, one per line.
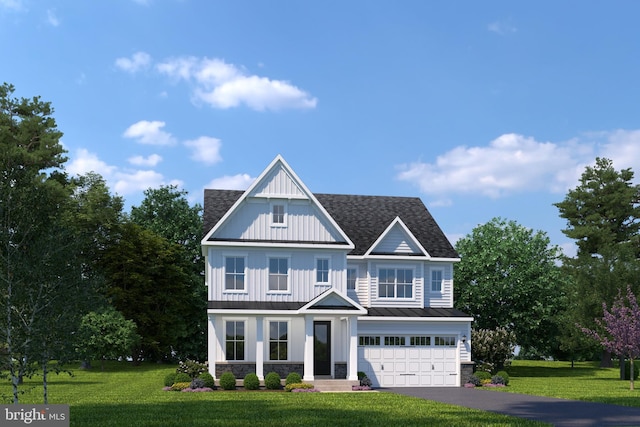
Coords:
327,285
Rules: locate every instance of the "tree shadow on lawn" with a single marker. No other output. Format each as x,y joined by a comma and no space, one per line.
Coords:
255,412
554,371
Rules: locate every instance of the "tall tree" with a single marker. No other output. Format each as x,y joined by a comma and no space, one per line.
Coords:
508,278
166,212
603,217
148,282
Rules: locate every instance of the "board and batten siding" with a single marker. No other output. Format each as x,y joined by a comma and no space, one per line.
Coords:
252,221
278,183
396,241
302,274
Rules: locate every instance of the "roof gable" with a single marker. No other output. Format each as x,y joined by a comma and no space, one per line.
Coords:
397,239
333,300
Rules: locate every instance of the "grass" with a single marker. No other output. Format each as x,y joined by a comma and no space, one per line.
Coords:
586,381
126,395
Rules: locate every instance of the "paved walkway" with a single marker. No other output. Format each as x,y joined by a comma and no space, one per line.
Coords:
558,412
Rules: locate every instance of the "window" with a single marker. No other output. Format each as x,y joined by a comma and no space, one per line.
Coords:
436,280
395,341
235,340
322,270
278,274
395,283
367,340
278,340
445,341
277,214
352,276
420,341
234,274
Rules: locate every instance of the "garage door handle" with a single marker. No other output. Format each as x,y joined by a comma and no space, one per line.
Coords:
382,367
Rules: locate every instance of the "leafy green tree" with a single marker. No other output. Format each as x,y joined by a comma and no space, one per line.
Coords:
107,335
603,217
148,282
508,278
166,212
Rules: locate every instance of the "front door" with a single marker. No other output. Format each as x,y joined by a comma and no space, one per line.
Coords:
322,348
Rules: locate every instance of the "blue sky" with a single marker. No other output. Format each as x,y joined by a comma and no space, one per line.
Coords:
482,109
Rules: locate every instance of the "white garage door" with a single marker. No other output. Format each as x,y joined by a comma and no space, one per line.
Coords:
416,361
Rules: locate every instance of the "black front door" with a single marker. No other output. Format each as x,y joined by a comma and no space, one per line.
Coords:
321,348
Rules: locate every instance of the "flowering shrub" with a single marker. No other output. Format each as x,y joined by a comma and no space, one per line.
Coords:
469,385
167,388
360,387
305,390
196,390
294,386
192,368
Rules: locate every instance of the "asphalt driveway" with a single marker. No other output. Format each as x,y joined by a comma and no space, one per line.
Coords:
558,412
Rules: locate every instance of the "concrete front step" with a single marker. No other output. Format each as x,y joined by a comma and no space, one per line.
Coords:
334,385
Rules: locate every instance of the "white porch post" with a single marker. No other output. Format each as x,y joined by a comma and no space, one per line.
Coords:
352,360
308,348
211,345
260,347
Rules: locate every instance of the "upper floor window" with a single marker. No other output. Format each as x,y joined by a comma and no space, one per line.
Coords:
352,277
278,214
322,270
278,274
234,273
234,340
395,283
436,280
278,340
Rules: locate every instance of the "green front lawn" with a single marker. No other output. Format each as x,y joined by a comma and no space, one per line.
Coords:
586,381
125,395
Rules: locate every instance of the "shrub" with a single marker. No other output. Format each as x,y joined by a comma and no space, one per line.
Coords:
292,378
365,382
627,369
485,382
483,375
180,386
228,381
361,375
208,380
169,379
272,381
504,376
192,368
498,380
473,379
181,377
196,383
251,381
295,386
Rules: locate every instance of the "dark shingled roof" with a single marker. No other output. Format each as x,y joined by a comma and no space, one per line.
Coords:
362,218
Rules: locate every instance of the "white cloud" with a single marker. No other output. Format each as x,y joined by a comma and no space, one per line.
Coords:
138,61
224,85
514,163
137,181
205,149
151,133
231,182
502,27
84,162
151,160
52,19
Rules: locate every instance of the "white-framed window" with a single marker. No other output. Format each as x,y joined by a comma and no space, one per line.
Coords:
368,340
395,283
234,273
278,274
420,341
352,278
234,339
278,340
322,270
445,341
278,214
394,341
437,276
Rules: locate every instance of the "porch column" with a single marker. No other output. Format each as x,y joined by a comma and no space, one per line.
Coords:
211,344
308,348
352,360
260,347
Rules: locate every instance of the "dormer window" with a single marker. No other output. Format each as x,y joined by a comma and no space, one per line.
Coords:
278,215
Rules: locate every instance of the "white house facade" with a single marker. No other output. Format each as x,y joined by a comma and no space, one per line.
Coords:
327,285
